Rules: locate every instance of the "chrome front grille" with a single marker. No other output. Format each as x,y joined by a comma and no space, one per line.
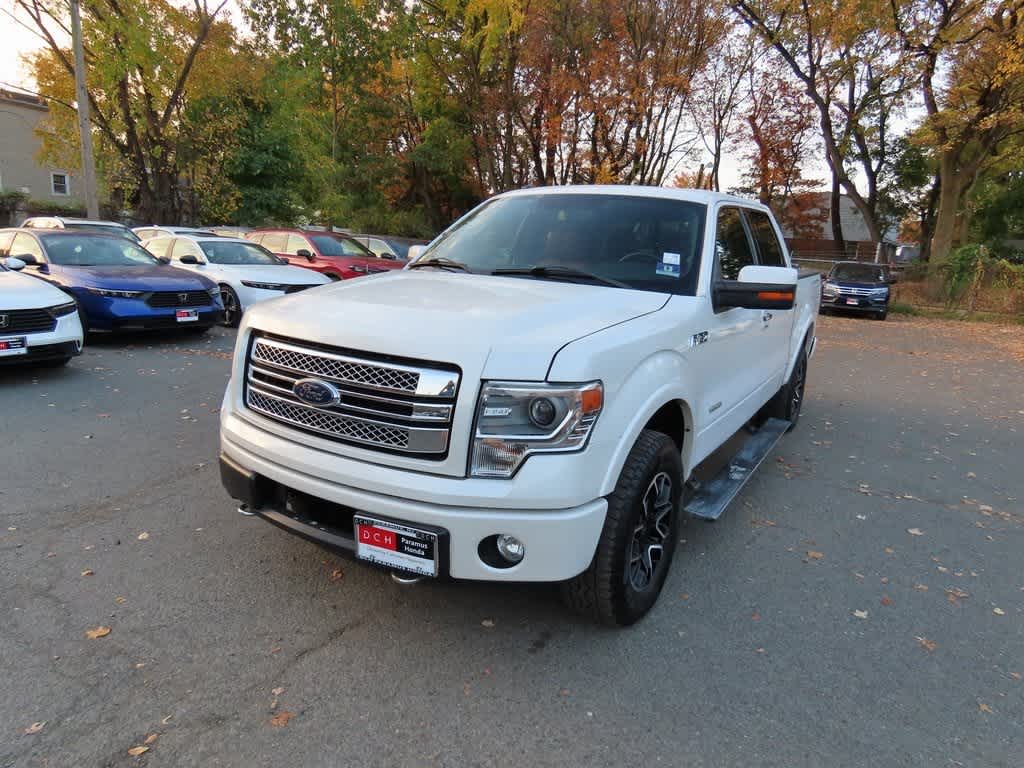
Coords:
383,405
850,291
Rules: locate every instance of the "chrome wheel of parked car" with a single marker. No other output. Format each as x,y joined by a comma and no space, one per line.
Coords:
232,307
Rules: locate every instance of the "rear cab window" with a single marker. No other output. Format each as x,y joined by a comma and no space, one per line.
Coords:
769,250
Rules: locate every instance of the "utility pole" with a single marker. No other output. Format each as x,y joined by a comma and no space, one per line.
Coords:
92,206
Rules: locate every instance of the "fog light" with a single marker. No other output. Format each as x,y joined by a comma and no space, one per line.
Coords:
510,548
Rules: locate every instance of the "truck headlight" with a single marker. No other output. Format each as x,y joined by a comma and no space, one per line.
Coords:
517,419
830,289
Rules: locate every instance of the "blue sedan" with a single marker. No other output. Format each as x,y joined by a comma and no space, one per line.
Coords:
117,284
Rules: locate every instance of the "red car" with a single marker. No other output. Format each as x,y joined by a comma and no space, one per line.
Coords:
335,255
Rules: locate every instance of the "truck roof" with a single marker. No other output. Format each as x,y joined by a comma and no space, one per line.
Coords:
703,196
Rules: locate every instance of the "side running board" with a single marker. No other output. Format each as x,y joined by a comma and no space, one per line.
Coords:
714,496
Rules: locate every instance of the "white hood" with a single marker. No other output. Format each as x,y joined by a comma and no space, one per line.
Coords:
491,327
18,291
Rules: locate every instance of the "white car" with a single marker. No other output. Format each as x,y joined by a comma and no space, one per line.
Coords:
246,272
154,231
528,400
38,323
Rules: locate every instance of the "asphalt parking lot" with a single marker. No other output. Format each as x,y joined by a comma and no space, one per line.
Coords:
860,604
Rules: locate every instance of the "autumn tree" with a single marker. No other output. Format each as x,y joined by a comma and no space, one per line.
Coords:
840,52
144,60
970,59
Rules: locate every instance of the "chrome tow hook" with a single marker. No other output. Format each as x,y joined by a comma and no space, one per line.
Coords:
404,580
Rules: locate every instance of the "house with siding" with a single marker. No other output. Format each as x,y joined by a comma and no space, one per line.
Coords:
20,168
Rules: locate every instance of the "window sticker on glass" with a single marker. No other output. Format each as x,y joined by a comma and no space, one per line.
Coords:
669,265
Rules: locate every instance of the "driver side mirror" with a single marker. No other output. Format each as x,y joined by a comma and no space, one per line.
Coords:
304,253
282,260
15,264
189,258
27,259
389,256
757,288
165,260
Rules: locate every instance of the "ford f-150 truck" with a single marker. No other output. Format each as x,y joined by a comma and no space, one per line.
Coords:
528,399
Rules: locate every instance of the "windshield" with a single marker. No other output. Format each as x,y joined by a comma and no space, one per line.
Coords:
107,229
93,251
647,243
333,245
237,253
860,273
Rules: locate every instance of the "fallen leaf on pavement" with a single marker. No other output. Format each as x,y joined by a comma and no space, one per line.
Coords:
166,720
337,574
487,623
889,550
886,600
88,572
151,738
956,595
998,611
815,555
136,751
921,587
280,720
1015,675
34,728
98,632
985,708
915,531
120,600
143,536
277,691
861,614
928,645
763,523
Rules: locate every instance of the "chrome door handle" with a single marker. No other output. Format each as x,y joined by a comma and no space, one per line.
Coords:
766,316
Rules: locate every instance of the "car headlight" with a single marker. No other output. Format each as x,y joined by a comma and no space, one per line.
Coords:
264,286
830,289
517,419
116,294
879,291
63,309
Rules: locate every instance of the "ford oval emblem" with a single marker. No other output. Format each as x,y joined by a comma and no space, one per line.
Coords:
317,393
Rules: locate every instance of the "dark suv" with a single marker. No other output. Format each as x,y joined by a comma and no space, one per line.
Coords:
857,287
335,255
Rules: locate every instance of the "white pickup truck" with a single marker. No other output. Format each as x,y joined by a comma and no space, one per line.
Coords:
528,399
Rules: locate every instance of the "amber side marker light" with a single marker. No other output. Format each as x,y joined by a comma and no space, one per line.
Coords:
593,399
775,295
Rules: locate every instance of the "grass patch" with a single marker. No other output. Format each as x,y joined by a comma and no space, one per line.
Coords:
901,308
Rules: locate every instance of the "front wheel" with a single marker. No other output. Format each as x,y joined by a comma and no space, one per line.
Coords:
232,306
639,537
882,315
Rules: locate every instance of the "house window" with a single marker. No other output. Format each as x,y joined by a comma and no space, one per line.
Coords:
59,183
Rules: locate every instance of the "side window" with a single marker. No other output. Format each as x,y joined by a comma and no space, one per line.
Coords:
378,246
183,247
732,246
275,241
297,243
769,250
159,246
26,244
5,243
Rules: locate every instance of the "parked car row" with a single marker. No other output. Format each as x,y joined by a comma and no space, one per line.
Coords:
80,276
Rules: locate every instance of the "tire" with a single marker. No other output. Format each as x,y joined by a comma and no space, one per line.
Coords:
638,540
232,314
788,401
882,315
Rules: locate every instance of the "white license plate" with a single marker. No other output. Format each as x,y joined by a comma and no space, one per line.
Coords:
13,345
855,302
394,545
187,315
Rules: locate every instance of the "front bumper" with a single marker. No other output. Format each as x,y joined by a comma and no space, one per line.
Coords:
558,543
118,314
65,340
863,303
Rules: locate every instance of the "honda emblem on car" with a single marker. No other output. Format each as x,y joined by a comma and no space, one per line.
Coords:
316,392
183,298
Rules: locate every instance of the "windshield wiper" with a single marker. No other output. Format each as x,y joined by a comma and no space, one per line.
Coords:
566,273
441,263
